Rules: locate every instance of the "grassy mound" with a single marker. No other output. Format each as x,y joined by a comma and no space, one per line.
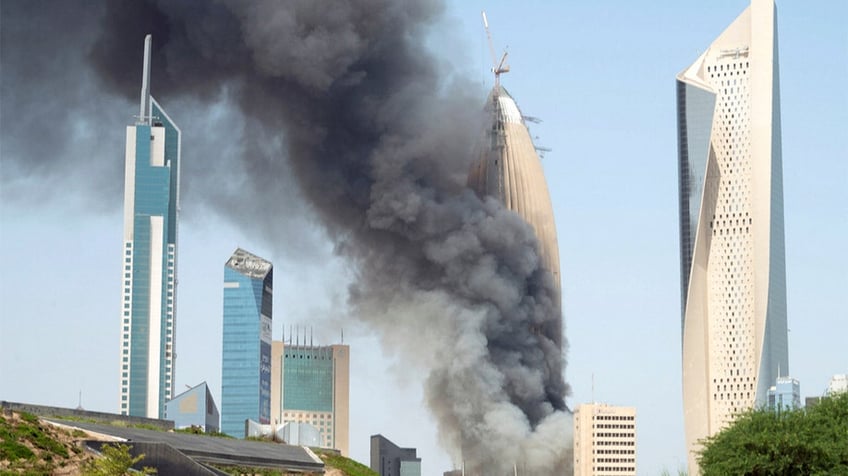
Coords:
30,447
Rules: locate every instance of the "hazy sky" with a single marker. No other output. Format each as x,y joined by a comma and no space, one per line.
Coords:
599,74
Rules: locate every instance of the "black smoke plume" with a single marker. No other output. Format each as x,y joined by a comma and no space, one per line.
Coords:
343,97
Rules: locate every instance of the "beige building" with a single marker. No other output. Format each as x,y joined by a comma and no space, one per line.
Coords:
604,440
733,277
509,170
311,384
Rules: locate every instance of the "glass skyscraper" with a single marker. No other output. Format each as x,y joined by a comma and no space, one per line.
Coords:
246,366
733,277
148,306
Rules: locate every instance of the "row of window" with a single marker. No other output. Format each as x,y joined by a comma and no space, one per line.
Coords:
614,435
613,460
614,452
615,443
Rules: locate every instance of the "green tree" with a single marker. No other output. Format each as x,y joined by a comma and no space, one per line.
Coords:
116,460
762,442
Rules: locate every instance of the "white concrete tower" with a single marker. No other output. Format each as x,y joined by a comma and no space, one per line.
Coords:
733,276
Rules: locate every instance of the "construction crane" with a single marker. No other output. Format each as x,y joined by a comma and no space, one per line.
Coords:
498,67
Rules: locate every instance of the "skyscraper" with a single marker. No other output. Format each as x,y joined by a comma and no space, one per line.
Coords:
246,353
148,306
604,440
312,385
785,394
733,277
387,459
509,170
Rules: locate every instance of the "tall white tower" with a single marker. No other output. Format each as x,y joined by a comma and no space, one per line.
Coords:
733,276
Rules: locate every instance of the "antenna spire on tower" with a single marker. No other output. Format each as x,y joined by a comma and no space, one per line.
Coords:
498,67
144,108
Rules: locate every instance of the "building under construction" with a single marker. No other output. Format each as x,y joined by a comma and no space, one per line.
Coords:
510,170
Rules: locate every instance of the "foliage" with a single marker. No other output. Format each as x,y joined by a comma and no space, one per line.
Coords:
73,418
347,465
116,461
193,430
242,470
28,429
811,441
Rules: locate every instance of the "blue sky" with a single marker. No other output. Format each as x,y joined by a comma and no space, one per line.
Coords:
601,76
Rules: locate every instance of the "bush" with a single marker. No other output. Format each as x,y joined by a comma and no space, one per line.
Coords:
762,442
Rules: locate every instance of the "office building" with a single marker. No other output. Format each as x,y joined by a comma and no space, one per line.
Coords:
387,459
148,305
733,278
194,408
604,440
311,384
246,366
785,394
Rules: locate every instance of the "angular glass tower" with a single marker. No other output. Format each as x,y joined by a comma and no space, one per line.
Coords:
246,366
148,306
733,278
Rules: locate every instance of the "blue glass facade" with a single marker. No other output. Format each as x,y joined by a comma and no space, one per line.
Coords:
246,365
695,108
308,377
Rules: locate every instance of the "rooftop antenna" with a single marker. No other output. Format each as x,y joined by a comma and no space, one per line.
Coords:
498,67
311,335
342,335
144,109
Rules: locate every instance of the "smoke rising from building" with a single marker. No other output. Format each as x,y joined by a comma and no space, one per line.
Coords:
344,98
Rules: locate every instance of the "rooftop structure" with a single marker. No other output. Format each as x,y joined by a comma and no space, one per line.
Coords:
194,408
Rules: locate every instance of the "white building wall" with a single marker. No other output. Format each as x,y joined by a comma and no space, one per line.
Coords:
604,440
734,334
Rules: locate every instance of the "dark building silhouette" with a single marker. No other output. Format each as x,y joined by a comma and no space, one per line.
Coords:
387,459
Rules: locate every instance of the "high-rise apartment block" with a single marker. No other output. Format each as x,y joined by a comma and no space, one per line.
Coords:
785,394
246,366
311,384
149,278
604,440
733,278
387,459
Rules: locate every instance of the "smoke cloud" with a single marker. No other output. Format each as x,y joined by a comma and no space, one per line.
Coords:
340,105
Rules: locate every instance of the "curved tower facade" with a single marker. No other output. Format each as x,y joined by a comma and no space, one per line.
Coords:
733,278
509,169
